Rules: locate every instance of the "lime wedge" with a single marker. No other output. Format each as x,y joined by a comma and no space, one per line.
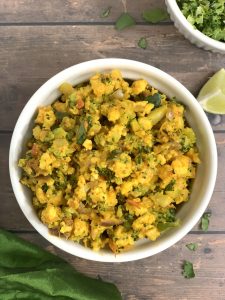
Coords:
212,94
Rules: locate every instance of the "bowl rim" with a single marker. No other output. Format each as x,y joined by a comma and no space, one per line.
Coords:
206,40
136,66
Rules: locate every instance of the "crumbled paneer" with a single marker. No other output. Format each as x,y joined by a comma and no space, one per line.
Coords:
109,162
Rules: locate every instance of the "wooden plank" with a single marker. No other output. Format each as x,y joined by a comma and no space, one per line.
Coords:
159,277
70,10
30,55
11,216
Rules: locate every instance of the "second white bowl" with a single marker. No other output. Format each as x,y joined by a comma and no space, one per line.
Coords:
193,35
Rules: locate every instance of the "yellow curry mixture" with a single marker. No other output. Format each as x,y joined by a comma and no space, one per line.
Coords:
109,162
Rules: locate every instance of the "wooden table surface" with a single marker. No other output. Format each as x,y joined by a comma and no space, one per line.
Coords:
39,38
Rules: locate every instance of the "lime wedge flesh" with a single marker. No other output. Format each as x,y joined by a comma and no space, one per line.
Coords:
212,94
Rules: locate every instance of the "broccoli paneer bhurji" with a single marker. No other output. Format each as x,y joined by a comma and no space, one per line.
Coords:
109,162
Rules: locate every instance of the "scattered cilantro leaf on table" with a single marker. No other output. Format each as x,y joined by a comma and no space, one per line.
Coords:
188,270
192,246
155,15
205,221
106,12
143,43
125,20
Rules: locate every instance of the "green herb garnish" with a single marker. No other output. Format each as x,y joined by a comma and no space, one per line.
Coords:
163,226
171,215
170,186
185,145
138,159
60,115
155,15
143,43
121,199
81,134
206,15
128,221
72,101
44,187
188,270
70,135
89,120
205,221
124,21
105,13
114,153
167,219
192,246
154,99
107,173
60,185
144,149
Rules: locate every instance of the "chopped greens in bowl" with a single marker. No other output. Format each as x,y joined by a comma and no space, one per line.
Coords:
208,16
200,21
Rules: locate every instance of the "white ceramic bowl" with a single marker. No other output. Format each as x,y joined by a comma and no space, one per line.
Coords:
203,187
193,35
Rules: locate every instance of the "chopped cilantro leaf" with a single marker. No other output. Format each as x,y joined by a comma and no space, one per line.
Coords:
143,43
154,99
128,221
60,115
167,219
185,144
72,101
124,21
155,15
205,221
89,120
188,270
60,185
121,199
192,246
107,173
138,159
144,149
44,187
70,135
171,215
114,153
106,12
170,186
163,226
81,134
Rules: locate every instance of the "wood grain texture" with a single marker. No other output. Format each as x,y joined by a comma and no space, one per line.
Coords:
159,277
55,34
11,216
36,11
29,55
